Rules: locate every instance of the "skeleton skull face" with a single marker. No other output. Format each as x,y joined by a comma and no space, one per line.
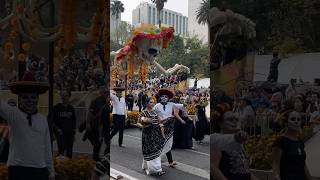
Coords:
148,49
294,121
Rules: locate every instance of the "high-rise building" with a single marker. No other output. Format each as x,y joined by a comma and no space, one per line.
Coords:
193,27
113,20
147,13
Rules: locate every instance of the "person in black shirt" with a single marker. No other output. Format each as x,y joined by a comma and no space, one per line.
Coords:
65,124
130,100
289,156
94,125
273,74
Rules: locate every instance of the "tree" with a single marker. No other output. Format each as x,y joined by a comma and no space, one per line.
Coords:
124,31
202,12
159,5
189,52
116,9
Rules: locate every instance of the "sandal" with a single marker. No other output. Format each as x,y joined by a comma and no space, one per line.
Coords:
161,173
172,164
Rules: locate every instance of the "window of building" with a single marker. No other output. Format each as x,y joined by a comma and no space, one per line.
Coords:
139,16
149,15
173,22
165,18
184,25
169,18
153,16
180,24
177,24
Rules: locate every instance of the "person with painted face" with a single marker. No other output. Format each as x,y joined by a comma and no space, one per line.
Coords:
64,119
165,111
30,155
289,156
118,114
229,160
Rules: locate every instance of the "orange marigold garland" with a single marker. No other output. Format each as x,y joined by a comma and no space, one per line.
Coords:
143,71
130,67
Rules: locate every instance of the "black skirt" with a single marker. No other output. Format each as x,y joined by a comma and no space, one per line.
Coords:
182,136
152,140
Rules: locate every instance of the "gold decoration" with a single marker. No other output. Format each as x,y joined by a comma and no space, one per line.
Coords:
130,67
21,57
26,46
143,71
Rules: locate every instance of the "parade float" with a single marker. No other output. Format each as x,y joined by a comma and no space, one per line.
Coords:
139,55
141,52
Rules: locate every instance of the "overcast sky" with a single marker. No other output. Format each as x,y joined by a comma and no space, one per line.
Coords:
175,5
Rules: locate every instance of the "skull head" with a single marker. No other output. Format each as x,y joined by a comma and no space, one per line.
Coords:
148,49
294,121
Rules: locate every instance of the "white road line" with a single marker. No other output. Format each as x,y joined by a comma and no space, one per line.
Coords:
198,152
115,173
191,170
190,150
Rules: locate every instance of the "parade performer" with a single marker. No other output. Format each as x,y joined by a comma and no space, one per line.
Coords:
153,141
30,155
119,114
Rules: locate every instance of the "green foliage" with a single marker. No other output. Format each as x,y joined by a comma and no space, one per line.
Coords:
202,12
117,8
114,46
189,52
291,25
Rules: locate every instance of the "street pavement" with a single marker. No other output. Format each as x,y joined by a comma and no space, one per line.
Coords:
191,164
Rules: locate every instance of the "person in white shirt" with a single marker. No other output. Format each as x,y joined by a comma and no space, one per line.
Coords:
118,114
165,112
30,155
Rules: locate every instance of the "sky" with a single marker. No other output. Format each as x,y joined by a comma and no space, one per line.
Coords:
174,5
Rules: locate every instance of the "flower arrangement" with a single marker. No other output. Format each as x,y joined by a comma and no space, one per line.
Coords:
133,117
71,169
260,148
191,108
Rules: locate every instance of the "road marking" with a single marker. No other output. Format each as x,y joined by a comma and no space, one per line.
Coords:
190,150
115,173
198,152
191,170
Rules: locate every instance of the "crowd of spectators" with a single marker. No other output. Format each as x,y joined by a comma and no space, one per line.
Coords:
78,74
260,109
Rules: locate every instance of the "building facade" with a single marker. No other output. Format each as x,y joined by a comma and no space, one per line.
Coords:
147,13
195,29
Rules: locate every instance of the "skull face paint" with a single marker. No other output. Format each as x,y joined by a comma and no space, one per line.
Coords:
164,99
294,121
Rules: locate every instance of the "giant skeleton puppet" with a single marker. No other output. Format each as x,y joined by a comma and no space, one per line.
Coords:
142,50
232,35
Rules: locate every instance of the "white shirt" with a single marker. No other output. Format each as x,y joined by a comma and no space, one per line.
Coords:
168,112
30,146
119,107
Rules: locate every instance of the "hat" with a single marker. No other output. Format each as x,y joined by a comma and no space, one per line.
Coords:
164,92
28,84
119,88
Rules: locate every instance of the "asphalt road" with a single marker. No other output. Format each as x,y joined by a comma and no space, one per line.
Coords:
192,164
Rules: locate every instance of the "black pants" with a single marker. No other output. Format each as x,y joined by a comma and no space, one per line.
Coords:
65,144
118,126
130,106
169,157
27,173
